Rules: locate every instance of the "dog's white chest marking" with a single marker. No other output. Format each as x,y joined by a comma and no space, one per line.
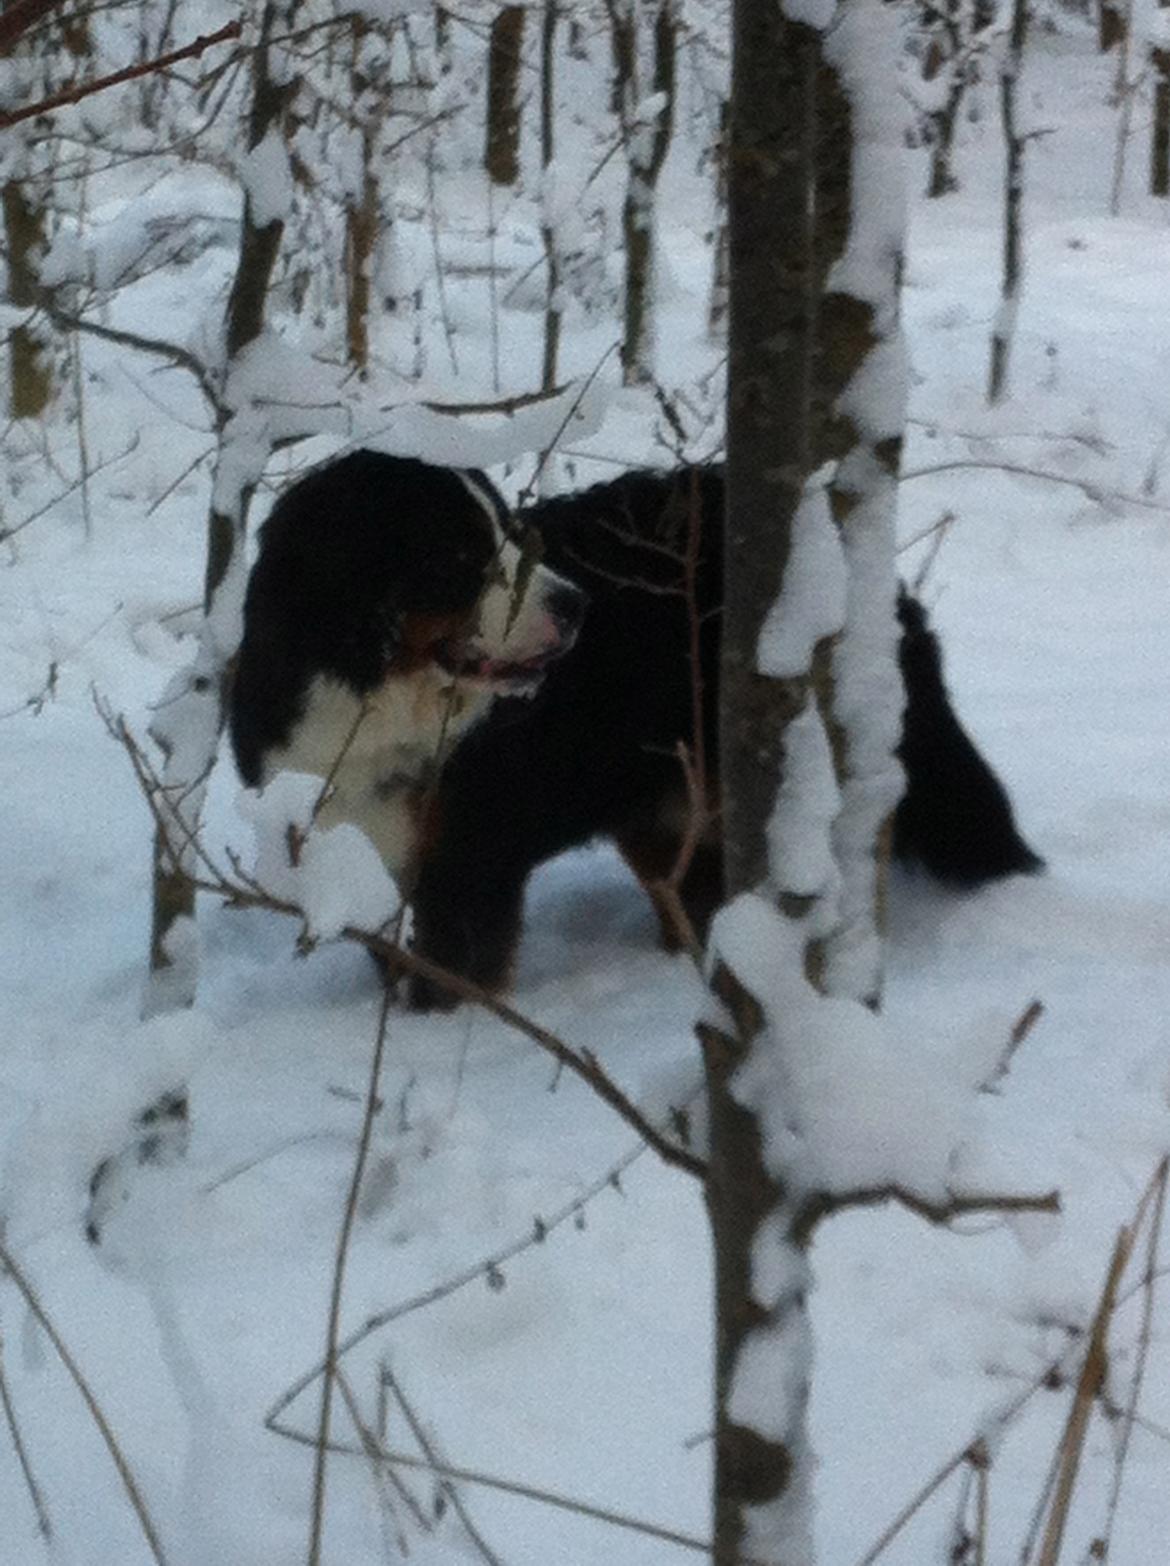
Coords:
381,753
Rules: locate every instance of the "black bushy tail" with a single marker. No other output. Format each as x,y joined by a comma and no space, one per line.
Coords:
955,817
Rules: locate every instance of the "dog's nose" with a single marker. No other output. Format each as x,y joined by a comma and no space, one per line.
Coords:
566,605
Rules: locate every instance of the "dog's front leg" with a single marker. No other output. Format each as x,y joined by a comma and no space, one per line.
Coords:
469,923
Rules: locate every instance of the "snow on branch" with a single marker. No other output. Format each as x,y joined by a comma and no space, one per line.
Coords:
851,1114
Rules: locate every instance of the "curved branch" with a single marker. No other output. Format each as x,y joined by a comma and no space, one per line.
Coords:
173,353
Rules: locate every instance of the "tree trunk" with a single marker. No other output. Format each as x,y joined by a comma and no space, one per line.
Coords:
1013,204
808,137
1160,129
501,156
720,254
646,145
1112,25
552,312
769,457
30,357
190,716
36,362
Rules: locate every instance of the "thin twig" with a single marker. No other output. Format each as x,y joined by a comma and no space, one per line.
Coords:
1021,1028
530,488
1093,492
382,1475
34,516
333,1332
44,1521
1145,1336
490,1267
73,1370
527,1492
418,1431
1089,1384
173,353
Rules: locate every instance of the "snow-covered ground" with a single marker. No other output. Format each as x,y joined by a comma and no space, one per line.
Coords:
581,1364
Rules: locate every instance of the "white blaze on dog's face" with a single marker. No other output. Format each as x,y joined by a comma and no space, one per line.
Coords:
526,617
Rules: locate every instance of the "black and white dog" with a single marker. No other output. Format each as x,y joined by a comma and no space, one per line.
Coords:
487,690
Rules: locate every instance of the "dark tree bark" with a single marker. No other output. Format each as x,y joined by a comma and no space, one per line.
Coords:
721,257
796,351
1160,129
35,353
958,36
1112,24
30,359
770,444
770,434
501,156
552,313
646,147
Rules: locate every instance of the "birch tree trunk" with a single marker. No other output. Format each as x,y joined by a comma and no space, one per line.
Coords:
190,717
363,210
1013,204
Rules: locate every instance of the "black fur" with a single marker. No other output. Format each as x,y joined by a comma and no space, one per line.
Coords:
955,817
344,555
593,753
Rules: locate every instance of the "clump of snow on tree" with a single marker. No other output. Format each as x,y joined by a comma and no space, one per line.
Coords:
845,1103
807,802
811,602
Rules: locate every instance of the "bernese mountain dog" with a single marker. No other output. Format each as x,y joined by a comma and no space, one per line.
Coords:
485,689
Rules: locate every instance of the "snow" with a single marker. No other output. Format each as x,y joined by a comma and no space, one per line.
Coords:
811,603
848,1099
807,802
334,874
580,1363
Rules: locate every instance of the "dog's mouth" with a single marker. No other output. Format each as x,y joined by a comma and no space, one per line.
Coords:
465,661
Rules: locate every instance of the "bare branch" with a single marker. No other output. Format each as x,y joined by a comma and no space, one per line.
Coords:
174,353
418,1431
824,1204
1021,1028
129,1483
80,90
527,1492
333,1332
1093,492
44,1521
489,1267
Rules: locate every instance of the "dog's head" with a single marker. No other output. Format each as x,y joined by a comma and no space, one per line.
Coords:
399,567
